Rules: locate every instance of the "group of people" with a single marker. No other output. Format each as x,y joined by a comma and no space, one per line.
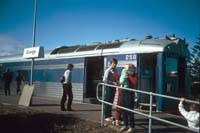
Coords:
7,79
127,79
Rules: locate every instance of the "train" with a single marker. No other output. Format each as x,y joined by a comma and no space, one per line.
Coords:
161,65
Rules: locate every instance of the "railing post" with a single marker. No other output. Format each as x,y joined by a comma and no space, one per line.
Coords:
150,112
102,106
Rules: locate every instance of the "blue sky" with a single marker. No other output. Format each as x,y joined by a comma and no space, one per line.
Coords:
77,22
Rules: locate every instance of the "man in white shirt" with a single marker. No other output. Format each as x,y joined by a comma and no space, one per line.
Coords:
67,89
109,91
192,116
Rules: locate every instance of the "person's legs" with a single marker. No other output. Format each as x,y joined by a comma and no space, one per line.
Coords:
6,85
112,94
63,99
107,107
111,100
8,89
125,119
18,88
70,97
131,119
118,110
131,106
124,112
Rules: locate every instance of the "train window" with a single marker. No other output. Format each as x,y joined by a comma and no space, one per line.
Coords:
147,72
87,47
115,44
68,49
65,49
171,66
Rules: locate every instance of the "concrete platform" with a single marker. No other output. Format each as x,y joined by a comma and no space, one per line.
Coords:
92,112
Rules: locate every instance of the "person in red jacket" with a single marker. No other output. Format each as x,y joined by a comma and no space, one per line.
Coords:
118,110
133,79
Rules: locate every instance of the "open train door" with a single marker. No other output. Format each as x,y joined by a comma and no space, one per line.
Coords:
147,78
94,73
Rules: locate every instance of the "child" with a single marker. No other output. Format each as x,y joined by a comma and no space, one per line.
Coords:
191,116
124,77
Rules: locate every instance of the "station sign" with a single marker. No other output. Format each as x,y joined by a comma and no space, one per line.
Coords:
33,52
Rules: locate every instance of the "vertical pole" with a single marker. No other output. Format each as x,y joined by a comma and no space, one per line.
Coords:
150,112
34,31
102,106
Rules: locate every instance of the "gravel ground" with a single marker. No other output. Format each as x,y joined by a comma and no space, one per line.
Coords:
24,120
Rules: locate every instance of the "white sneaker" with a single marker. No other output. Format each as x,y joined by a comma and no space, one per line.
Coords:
108,119
117,122
112,118
124,128
113,122
121,122
130,130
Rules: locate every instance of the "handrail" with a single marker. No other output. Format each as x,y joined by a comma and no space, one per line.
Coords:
150,116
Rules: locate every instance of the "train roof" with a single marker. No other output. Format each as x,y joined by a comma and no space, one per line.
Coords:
90,47
125,46
148,45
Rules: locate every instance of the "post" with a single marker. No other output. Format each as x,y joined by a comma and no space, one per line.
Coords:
102,106
150,112
34,31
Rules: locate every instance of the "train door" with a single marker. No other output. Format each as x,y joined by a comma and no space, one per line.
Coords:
147,76
171,76
171,80
94,72
175,80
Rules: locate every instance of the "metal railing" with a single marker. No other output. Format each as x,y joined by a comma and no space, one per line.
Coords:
150,116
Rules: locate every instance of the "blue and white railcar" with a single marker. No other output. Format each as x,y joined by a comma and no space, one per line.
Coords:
161,67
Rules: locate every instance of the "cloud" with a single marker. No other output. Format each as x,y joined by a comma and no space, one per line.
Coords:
10,46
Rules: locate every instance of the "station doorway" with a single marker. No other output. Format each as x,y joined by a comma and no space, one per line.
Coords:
94,74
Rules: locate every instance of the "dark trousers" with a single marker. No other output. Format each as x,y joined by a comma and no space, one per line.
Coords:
67,95
128,102
18,88
7,88
109,97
